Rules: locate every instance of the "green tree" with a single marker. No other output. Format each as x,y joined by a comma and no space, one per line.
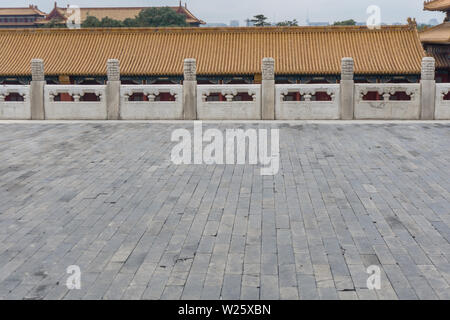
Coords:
107,22
288,23
350,22
260,20
54,24
129,23
91,22
159,17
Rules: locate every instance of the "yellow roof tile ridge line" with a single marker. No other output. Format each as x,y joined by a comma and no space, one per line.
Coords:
274,29
426,2
438,26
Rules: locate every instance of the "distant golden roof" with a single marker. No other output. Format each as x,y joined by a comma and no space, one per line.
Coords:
437,5
122,13
219,51
439,34
24,11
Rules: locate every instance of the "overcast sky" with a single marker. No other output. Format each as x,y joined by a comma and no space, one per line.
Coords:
277,10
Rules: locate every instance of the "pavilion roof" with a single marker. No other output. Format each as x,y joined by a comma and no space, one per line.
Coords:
219,51
437,5
121,13
439,34
23,11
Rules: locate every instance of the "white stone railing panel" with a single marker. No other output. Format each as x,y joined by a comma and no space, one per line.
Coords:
15,110
151,110
442,111
307,109
75,110
387,109
229,109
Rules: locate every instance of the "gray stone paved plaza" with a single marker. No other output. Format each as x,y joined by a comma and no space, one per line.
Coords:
107,198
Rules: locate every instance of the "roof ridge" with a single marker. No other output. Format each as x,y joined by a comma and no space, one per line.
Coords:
436,5
34,9
273,29
431,1
436,26
121,8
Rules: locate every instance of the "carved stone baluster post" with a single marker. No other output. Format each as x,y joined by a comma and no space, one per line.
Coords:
428,89
268,89
347,87
190,90
37,89
113,89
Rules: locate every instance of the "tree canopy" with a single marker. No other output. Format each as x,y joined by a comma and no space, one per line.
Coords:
288,23
350,22
260,20
53,24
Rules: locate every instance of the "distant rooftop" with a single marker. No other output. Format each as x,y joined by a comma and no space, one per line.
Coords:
31,10
437,5
439,34
117,13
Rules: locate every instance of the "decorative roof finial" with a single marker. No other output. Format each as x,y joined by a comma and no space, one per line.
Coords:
412,23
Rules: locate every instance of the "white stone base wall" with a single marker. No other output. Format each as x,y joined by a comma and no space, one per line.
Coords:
307,110
442,111
151,110
228,110
15,110
387,109
74,110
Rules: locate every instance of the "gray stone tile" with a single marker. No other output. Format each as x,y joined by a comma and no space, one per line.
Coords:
106,197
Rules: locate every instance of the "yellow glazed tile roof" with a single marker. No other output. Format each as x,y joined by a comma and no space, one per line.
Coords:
438,34
442,60
25,11
437,5
219,51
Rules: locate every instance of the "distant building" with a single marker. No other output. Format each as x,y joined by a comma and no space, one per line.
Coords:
436,40
249,23
234,23
32,17
117,13
317,24
215,25
25,17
